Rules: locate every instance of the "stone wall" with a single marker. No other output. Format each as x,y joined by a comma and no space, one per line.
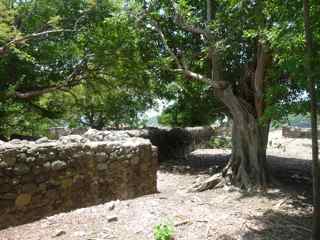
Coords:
56,133
177,143
41,178
172,143
205,158
296,132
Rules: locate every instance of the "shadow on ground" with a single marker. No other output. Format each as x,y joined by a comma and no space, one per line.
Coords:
279,225
291,178
273,225
290,170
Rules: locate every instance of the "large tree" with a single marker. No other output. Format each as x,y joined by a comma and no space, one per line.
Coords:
235,48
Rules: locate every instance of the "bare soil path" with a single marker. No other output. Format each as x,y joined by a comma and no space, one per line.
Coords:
219,214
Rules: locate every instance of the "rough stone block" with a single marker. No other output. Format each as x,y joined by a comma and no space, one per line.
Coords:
23,200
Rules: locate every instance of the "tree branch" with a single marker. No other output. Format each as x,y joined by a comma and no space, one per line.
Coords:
35,93
166,45
72,80
182,66
181,21
194,75
259,76
212,52
5,47
39,92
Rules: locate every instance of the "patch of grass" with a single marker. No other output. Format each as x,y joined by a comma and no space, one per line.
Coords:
163,232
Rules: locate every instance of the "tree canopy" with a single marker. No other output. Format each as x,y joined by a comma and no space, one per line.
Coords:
103,63
72,63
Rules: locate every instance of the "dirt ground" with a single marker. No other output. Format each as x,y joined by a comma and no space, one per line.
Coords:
218,214
283,213
299,148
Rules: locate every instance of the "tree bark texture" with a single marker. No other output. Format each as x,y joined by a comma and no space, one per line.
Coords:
247,165
313,109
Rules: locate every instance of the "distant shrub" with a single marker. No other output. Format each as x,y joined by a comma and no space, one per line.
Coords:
220,142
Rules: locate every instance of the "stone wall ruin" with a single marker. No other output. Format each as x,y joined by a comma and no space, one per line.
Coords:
297,132
178,143
172,143
45,177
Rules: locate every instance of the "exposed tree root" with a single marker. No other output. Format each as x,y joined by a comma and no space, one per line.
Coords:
215,181
220,180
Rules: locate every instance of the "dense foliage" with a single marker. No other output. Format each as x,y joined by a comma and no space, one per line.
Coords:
71,63
193,104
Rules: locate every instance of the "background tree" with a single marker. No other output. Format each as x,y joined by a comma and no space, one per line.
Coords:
58,58
191,104
310,76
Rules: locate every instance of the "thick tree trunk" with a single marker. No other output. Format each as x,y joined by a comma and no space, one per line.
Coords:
313,105
247,165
